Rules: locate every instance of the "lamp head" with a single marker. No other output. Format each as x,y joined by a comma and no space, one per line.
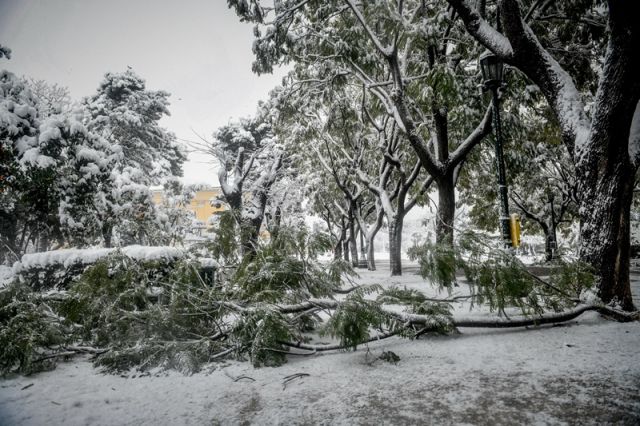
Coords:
492,69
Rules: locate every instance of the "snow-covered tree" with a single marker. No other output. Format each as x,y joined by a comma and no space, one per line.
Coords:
126,114
250,161
603,138
405,54
51,164
18,130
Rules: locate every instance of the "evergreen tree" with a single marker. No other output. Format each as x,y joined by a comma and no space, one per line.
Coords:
126,114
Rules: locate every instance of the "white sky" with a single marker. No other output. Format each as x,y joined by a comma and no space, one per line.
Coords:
195,49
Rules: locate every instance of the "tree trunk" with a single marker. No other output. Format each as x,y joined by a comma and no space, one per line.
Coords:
43,242
8,235
371,261
395,245
362,262
345,249
604,170
446,209
107,233
353,246
249,233
605,212
337,250
550,242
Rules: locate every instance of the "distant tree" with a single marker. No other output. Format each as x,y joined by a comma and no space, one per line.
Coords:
52,98
250,161
126,114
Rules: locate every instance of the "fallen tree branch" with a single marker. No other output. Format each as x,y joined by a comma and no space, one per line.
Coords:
414,319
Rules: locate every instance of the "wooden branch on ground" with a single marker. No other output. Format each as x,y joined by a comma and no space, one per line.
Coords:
412,319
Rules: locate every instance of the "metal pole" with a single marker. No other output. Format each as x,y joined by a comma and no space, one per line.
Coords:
502,180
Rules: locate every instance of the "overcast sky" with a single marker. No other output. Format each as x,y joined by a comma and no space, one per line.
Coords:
195,49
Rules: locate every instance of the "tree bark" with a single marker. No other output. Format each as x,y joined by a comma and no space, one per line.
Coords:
353,245
371,236
550,241
395,245
337,250
604,170
446,209
605,212
362,262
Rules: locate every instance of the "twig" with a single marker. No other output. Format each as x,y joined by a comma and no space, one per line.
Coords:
244,377
287,379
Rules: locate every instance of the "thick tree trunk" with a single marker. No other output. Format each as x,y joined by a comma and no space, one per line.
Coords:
395,245
345,250
604,169
446,209
605,213
43,243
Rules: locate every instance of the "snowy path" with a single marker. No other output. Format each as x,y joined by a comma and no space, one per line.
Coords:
584,372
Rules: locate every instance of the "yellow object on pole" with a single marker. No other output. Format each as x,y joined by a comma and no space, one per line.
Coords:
514,224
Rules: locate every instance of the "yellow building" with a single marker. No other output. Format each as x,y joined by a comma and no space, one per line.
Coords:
203,204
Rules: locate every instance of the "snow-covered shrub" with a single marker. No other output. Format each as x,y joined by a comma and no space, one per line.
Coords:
145,313
57,269
30,332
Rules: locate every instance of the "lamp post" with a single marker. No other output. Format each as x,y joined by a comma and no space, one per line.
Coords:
492,72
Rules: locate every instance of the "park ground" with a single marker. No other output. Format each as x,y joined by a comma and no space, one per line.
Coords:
586,371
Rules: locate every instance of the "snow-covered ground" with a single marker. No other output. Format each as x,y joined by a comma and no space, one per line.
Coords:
583,372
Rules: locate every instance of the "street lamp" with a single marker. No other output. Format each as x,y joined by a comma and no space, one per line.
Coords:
492,73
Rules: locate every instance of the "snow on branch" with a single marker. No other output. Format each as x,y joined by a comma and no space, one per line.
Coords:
634,138
478,27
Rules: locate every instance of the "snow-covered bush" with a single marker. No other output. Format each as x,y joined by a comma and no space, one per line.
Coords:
58,268
29,331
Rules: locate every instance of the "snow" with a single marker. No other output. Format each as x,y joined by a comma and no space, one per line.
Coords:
494,39
65,257
152,253
69,257
6,275
34,157
634,136
586,371
569,106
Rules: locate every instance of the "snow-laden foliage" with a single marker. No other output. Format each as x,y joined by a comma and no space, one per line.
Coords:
126,114
132,311
49,164
498,279
69,172
251,161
